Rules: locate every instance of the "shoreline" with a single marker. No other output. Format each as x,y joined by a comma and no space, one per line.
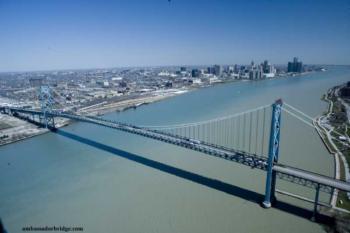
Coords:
111,107
132,103
40,131
326,137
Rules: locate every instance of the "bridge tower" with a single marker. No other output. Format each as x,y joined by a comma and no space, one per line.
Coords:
273,153
46,102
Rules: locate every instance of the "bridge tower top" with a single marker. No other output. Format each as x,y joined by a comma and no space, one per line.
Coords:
46,99
46,103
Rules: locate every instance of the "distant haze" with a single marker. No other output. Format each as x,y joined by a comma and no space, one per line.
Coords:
45,35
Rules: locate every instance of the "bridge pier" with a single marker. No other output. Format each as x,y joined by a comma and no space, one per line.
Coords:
273,154
314,214
273,187
47,121
51,123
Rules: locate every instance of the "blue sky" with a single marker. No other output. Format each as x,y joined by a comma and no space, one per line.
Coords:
69,34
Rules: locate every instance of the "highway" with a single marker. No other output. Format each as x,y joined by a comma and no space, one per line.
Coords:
312,177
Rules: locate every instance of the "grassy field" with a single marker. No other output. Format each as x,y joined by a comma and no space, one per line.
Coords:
341,127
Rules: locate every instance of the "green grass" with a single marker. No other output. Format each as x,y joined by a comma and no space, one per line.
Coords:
346,202
342,195
342,173
347,155
348,130
340,127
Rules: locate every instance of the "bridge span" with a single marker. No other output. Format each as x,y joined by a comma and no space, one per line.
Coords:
269,164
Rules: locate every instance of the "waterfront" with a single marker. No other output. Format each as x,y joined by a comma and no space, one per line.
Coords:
53,179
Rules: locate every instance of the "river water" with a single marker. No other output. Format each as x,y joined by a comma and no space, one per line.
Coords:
109,181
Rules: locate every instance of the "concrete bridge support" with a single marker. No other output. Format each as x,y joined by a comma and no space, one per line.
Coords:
47,121
314,216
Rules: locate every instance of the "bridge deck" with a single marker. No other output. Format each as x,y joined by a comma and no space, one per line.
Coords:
313,177
285,172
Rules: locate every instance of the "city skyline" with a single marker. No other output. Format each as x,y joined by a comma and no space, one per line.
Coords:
65,35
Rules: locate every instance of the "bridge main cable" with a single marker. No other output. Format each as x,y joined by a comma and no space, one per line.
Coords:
203,122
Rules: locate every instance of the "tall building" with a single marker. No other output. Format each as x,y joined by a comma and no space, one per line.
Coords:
210,70
236,69
195,73
182,69
256,73
295,66
217,70
268,68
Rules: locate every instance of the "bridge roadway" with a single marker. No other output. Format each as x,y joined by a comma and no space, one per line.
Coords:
285,172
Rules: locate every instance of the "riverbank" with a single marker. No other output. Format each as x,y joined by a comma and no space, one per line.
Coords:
330,129
105,107
62,176
14,133
13,129
16,129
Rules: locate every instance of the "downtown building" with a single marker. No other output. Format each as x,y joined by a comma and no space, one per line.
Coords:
295,66
255,71
216,70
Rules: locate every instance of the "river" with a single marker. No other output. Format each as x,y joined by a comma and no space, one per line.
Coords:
98,178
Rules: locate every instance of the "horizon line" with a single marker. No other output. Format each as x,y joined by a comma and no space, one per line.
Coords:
149,66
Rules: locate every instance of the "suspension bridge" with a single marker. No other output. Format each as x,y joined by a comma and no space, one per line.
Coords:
251,138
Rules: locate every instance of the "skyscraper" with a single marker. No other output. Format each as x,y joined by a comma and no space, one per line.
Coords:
256,72
266,67
195,73
295,66
236,69
210,70
217,70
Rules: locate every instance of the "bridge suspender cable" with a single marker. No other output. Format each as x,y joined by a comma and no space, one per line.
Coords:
312,119
236,154
297,110
202,122
309,117
299,118
164,127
